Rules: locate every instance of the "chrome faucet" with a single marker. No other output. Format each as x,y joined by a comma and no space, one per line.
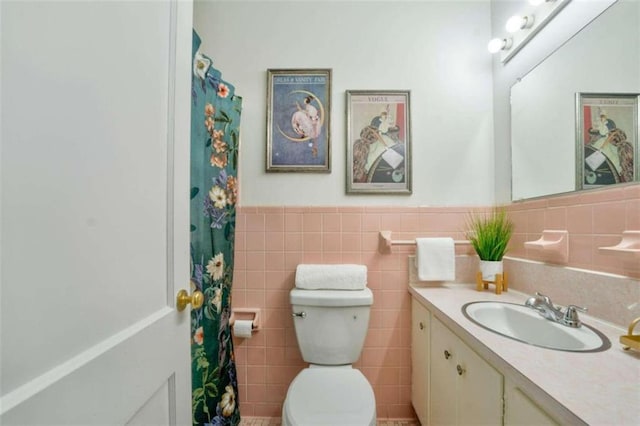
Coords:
570,318
546,309
543,305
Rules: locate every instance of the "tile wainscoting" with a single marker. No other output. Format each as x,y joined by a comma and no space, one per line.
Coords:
272,241
592,218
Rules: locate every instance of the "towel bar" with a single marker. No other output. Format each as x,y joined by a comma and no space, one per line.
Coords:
385,242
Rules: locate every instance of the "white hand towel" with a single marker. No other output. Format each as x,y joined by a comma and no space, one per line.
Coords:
436,259
331,277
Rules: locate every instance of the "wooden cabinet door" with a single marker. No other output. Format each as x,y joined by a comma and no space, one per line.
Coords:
520,410
442,391
420,360
479,389
465,389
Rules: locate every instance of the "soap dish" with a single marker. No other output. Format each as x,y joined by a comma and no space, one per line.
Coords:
631,341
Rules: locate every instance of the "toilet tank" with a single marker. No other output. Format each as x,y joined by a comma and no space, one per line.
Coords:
331,325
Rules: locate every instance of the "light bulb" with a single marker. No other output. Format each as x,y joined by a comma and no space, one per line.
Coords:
495,45
498,44
516,23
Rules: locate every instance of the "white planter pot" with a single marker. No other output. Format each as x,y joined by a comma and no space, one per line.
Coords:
489,269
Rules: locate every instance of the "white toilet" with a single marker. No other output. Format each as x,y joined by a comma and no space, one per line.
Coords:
331,326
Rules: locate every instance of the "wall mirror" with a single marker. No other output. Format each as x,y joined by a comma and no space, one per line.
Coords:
603,58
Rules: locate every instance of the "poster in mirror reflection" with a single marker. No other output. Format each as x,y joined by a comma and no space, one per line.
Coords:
607,145
378,142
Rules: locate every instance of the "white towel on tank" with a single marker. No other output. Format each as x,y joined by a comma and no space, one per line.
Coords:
331,277
436,259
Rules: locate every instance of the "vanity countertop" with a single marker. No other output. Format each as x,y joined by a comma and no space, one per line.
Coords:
596,388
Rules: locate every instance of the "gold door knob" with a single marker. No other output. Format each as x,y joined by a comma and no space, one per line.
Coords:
183,299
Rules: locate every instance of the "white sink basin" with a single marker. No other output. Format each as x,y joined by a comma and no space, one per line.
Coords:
523,324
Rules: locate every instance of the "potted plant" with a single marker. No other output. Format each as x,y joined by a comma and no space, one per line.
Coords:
489,233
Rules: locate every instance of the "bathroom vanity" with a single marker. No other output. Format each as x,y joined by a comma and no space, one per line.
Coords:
463,373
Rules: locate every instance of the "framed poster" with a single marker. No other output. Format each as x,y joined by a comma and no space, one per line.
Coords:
607,139
298,120
378,142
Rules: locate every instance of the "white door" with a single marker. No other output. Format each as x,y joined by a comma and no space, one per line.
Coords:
94,244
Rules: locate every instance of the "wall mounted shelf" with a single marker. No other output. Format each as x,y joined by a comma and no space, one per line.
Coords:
629,246
554,244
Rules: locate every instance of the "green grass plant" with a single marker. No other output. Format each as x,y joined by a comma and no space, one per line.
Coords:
489,233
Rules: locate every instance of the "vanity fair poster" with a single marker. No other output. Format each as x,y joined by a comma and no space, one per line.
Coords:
378,142
609,139
298,120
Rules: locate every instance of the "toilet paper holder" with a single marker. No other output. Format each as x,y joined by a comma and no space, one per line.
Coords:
252,314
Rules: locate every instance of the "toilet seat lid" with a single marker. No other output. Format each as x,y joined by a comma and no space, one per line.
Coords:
330,396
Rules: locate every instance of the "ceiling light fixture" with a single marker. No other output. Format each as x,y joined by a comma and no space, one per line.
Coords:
523,26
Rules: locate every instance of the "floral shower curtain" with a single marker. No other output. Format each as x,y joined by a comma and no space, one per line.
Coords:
215,121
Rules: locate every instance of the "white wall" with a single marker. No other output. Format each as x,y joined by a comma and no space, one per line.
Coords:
569,21
435,49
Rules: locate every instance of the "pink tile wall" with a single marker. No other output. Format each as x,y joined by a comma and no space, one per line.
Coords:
594,219
272,241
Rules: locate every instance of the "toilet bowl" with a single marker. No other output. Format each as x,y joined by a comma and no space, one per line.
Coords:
331,325
329,396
